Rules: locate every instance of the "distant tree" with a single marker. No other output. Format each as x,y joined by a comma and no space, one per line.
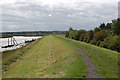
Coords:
93,41
75,35
91,34
106,35
70,29
80,32
109,26
111,42
100,35
69,33
102,26
96,29
66,34
116,26
87,37
82,37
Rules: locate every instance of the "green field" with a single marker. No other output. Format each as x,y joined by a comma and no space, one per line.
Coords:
57,57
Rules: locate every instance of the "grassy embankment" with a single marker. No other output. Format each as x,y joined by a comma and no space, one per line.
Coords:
11,56
105,60
53,57
48,57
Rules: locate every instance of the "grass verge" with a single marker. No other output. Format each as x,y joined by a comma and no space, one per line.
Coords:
50,57
106,61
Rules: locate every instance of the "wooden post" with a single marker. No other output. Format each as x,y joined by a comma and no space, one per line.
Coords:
15,41
11,40
8,41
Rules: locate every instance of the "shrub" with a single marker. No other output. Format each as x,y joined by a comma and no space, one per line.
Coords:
100,35
93,41
111,42
116,26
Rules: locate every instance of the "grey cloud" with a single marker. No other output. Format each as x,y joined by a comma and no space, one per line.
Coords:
119,9
33,16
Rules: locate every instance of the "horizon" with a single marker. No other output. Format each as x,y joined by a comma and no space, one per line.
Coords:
30,31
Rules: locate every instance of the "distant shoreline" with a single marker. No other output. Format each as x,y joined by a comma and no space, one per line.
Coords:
29,33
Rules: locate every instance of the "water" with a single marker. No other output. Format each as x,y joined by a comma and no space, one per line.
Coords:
20,40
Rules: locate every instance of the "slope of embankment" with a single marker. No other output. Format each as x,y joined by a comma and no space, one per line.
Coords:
59,57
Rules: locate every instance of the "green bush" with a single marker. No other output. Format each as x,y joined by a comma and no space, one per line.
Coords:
106,35
93,41
111,42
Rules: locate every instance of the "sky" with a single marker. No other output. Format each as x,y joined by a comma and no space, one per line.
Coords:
55,15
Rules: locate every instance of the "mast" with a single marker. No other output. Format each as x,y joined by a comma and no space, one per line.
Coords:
8,41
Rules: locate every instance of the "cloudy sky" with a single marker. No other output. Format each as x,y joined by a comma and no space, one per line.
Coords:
49,15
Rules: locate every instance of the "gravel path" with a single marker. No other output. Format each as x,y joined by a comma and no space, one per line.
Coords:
91,72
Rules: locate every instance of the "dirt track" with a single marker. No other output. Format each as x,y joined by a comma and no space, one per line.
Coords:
91,67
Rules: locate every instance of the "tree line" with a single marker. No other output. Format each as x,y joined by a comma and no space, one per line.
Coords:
105,35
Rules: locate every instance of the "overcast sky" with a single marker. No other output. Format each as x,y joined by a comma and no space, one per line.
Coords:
49,15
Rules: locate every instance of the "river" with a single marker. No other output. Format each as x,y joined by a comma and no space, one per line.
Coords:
20,40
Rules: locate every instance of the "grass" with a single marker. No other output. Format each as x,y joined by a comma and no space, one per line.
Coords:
8,57
52,57
49,57
106,61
